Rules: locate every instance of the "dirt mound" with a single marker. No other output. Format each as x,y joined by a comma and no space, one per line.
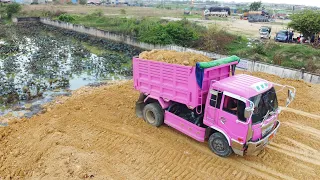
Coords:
174,57
94,134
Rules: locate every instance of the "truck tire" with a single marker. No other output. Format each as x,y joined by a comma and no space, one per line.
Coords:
219,145
153,114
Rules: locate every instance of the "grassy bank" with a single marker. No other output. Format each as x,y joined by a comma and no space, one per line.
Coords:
289,55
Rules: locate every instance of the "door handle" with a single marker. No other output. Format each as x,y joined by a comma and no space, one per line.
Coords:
223,120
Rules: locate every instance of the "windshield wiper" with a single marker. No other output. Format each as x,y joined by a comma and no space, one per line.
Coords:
266,116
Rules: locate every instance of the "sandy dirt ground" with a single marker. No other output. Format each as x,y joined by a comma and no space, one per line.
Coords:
243,27
94,134
239,27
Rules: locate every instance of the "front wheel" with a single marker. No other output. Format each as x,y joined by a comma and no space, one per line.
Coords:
219,145
153,114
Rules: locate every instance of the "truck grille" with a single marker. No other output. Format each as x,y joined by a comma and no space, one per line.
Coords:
268,128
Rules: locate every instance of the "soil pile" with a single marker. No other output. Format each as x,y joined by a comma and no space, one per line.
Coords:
174,57
94,134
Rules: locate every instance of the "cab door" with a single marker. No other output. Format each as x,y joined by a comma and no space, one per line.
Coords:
231,119
212,107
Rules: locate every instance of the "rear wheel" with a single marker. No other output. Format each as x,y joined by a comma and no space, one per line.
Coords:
219,145
153,114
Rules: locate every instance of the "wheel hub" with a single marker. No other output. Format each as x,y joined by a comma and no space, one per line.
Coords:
218,145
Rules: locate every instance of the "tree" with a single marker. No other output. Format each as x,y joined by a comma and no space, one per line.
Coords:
12,9
255,6
307,22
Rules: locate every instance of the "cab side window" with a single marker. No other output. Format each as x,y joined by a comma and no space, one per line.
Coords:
235,107
215,100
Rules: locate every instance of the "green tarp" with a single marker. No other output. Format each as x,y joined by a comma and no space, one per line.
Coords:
218,62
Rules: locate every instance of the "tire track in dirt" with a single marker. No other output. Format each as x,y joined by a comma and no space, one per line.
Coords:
314,156
296,155
177,162
125,147
304,129
301,145
207,161
310,115
221,170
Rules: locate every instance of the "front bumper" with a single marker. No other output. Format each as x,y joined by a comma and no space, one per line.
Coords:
264,36
253,148
281,40
256,147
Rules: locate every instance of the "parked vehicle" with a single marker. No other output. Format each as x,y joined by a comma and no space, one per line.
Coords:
5,1
94,2
282,36
217,11
236,113
265,32
258,16
187,11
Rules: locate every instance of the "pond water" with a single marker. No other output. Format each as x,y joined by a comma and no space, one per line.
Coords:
36,66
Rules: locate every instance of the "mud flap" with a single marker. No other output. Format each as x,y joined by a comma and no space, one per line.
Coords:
139,105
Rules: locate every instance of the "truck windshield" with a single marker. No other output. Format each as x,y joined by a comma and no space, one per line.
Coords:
262,104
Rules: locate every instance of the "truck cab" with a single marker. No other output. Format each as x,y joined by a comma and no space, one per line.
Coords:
227,107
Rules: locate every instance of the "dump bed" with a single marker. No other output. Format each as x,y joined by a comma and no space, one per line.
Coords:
175,82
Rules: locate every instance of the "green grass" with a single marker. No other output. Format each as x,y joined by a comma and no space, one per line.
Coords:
192,16
93,49
128,26
289,55
98,50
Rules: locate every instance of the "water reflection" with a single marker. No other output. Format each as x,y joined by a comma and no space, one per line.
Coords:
38,67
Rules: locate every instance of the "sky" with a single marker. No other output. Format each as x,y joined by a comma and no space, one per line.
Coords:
298,2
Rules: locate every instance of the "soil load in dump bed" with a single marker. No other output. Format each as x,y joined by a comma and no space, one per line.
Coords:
175,57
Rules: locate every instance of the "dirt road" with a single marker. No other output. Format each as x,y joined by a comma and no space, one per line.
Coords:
94,134
239,27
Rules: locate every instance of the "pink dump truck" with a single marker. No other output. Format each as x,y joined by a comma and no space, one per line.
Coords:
234,113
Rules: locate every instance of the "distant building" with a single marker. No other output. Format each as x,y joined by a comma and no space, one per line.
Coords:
122,1
30,1
5,1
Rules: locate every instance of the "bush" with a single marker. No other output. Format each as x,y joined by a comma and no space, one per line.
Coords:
123,11
97,13
46,13
216,40
156,35
66,18
181,33
58,13
12,9
259,49
2,10
83,2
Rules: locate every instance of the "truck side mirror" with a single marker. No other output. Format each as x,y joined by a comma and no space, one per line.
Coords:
247,112
291,96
